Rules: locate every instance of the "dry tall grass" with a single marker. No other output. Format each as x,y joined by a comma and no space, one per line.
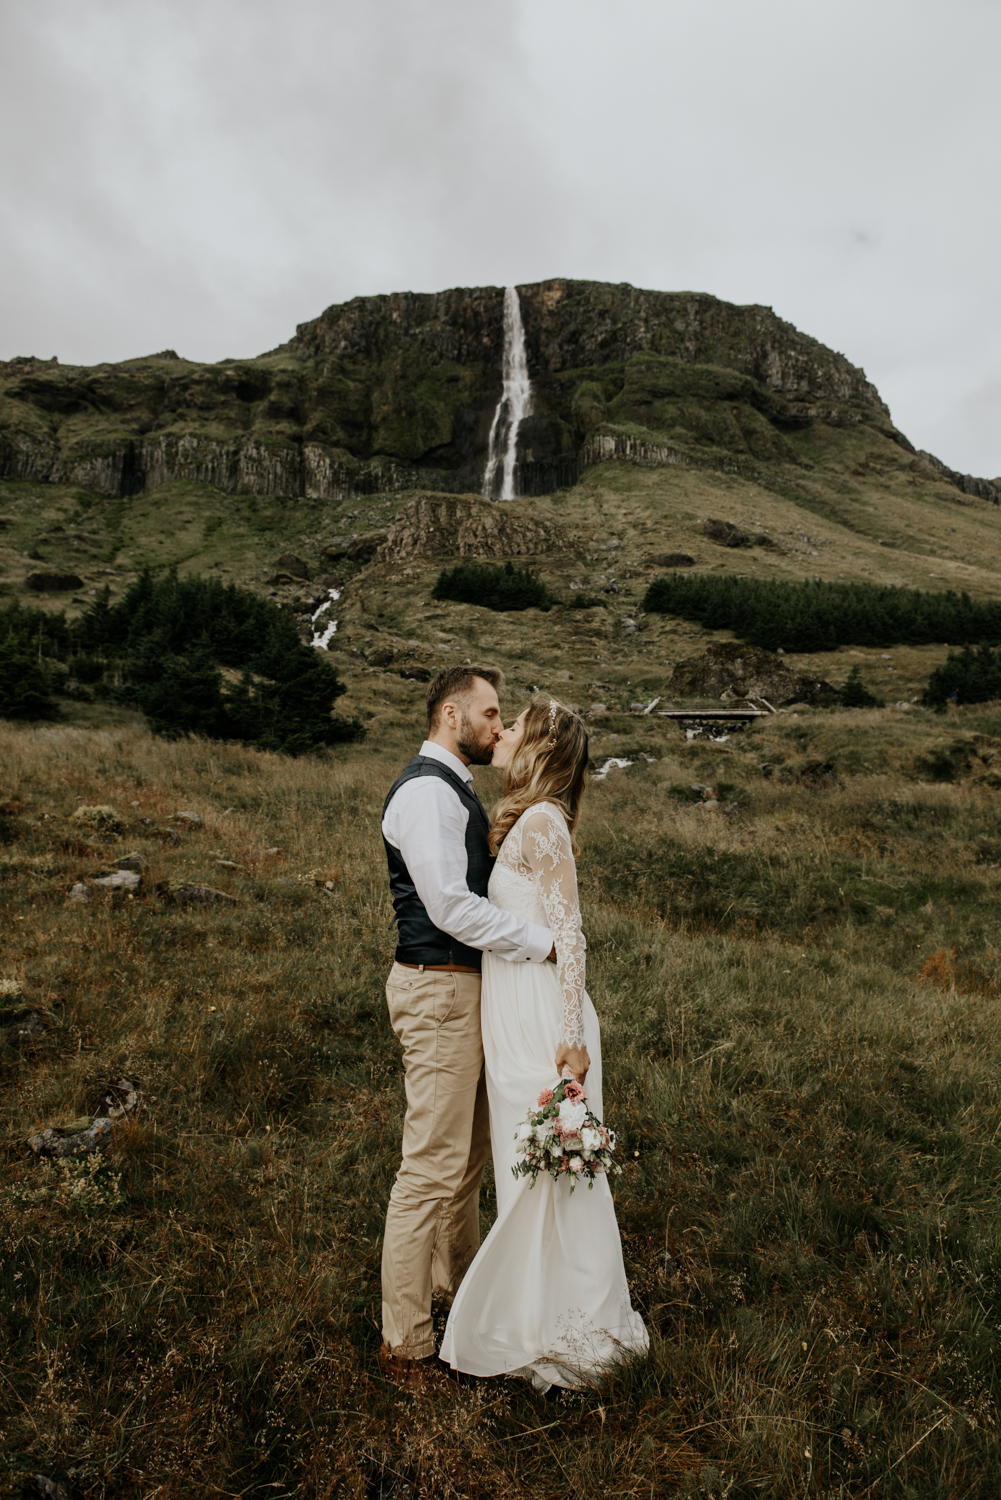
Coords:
802,1044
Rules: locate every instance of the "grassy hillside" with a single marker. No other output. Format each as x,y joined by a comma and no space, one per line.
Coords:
801,1050
798,999
855,505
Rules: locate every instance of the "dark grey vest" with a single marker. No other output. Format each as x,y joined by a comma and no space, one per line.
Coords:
420,941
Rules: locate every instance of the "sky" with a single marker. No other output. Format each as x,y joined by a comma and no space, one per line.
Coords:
204,174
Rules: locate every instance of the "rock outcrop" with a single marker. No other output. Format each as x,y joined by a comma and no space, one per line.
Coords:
466,526
732,668
984,489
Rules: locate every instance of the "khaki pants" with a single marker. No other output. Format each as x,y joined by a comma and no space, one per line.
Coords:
433,1222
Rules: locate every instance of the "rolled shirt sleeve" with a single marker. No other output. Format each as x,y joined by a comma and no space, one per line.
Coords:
427,823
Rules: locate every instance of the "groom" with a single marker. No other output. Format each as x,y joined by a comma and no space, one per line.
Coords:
435,831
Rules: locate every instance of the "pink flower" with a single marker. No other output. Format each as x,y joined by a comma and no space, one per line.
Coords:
576,1165
545,1097
573,1091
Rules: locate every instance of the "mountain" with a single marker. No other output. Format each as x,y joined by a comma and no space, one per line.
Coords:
386,393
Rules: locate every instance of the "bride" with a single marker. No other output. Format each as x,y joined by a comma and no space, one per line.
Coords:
546,1296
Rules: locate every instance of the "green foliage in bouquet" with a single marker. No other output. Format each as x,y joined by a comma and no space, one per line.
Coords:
563,1139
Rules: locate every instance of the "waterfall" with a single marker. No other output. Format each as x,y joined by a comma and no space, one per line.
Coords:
513,406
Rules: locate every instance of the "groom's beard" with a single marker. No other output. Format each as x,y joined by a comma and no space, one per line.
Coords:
477,752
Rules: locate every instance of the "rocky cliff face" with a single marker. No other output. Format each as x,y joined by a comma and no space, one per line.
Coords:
397,392
463,525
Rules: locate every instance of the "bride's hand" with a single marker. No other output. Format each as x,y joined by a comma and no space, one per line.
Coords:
574,1058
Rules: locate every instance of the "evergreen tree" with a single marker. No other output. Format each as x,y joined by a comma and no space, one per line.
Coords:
173,636
179,693
855,694
25,691
493,588
822,616
966,676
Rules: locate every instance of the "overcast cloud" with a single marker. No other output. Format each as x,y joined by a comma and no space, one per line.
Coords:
204,174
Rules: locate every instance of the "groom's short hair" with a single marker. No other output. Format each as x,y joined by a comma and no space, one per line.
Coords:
452,684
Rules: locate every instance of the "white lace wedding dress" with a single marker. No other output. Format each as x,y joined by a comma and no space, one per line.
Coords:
546,1296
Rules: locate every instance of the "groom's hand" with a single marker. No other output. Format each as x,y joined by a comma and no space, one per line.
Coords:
551,955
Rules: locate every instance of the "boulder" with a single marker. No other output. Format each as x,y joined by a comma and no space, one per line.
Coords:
120,1098
746,672
122,880
725,533
360,549
189,819
436,525
53,583
294,566
73,1142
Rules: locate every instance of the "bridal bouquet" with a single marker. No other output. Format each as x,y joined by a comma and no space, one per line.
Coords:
562,1137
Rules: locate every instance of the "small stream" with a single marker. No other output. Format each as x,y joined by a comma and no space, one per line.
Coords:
608,765
323,635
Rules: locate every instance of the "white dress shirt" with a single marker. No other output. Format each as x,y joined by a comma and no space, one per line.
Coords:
426,821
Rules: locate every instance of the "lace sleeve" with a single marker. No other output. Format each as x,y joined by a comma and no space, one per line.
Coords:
547,851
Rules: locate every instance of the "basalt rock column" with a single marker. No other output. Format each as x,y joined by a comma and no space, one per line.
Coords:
513,406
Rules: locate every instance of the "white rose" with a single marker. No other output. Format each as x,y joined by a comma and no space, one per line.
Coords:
589,1138
524,1133
572,1116
576,1165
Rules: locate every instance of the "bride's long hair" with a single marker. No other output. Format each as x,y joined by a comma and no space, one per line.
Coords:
549,765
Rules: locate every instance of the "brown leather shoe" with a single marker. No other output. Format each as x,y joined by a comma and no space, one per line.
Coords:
421,1375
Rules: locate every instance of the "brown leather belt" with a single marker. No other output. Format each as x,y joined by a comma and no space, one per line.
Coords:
449,968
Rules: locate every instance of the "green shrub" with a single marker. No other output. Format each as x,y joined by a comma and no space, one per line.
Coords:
588,407
855,694
822,616
493,588
972,676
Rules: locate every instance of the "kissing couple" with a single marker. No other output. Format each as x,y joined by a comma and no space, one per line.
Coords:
487,999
